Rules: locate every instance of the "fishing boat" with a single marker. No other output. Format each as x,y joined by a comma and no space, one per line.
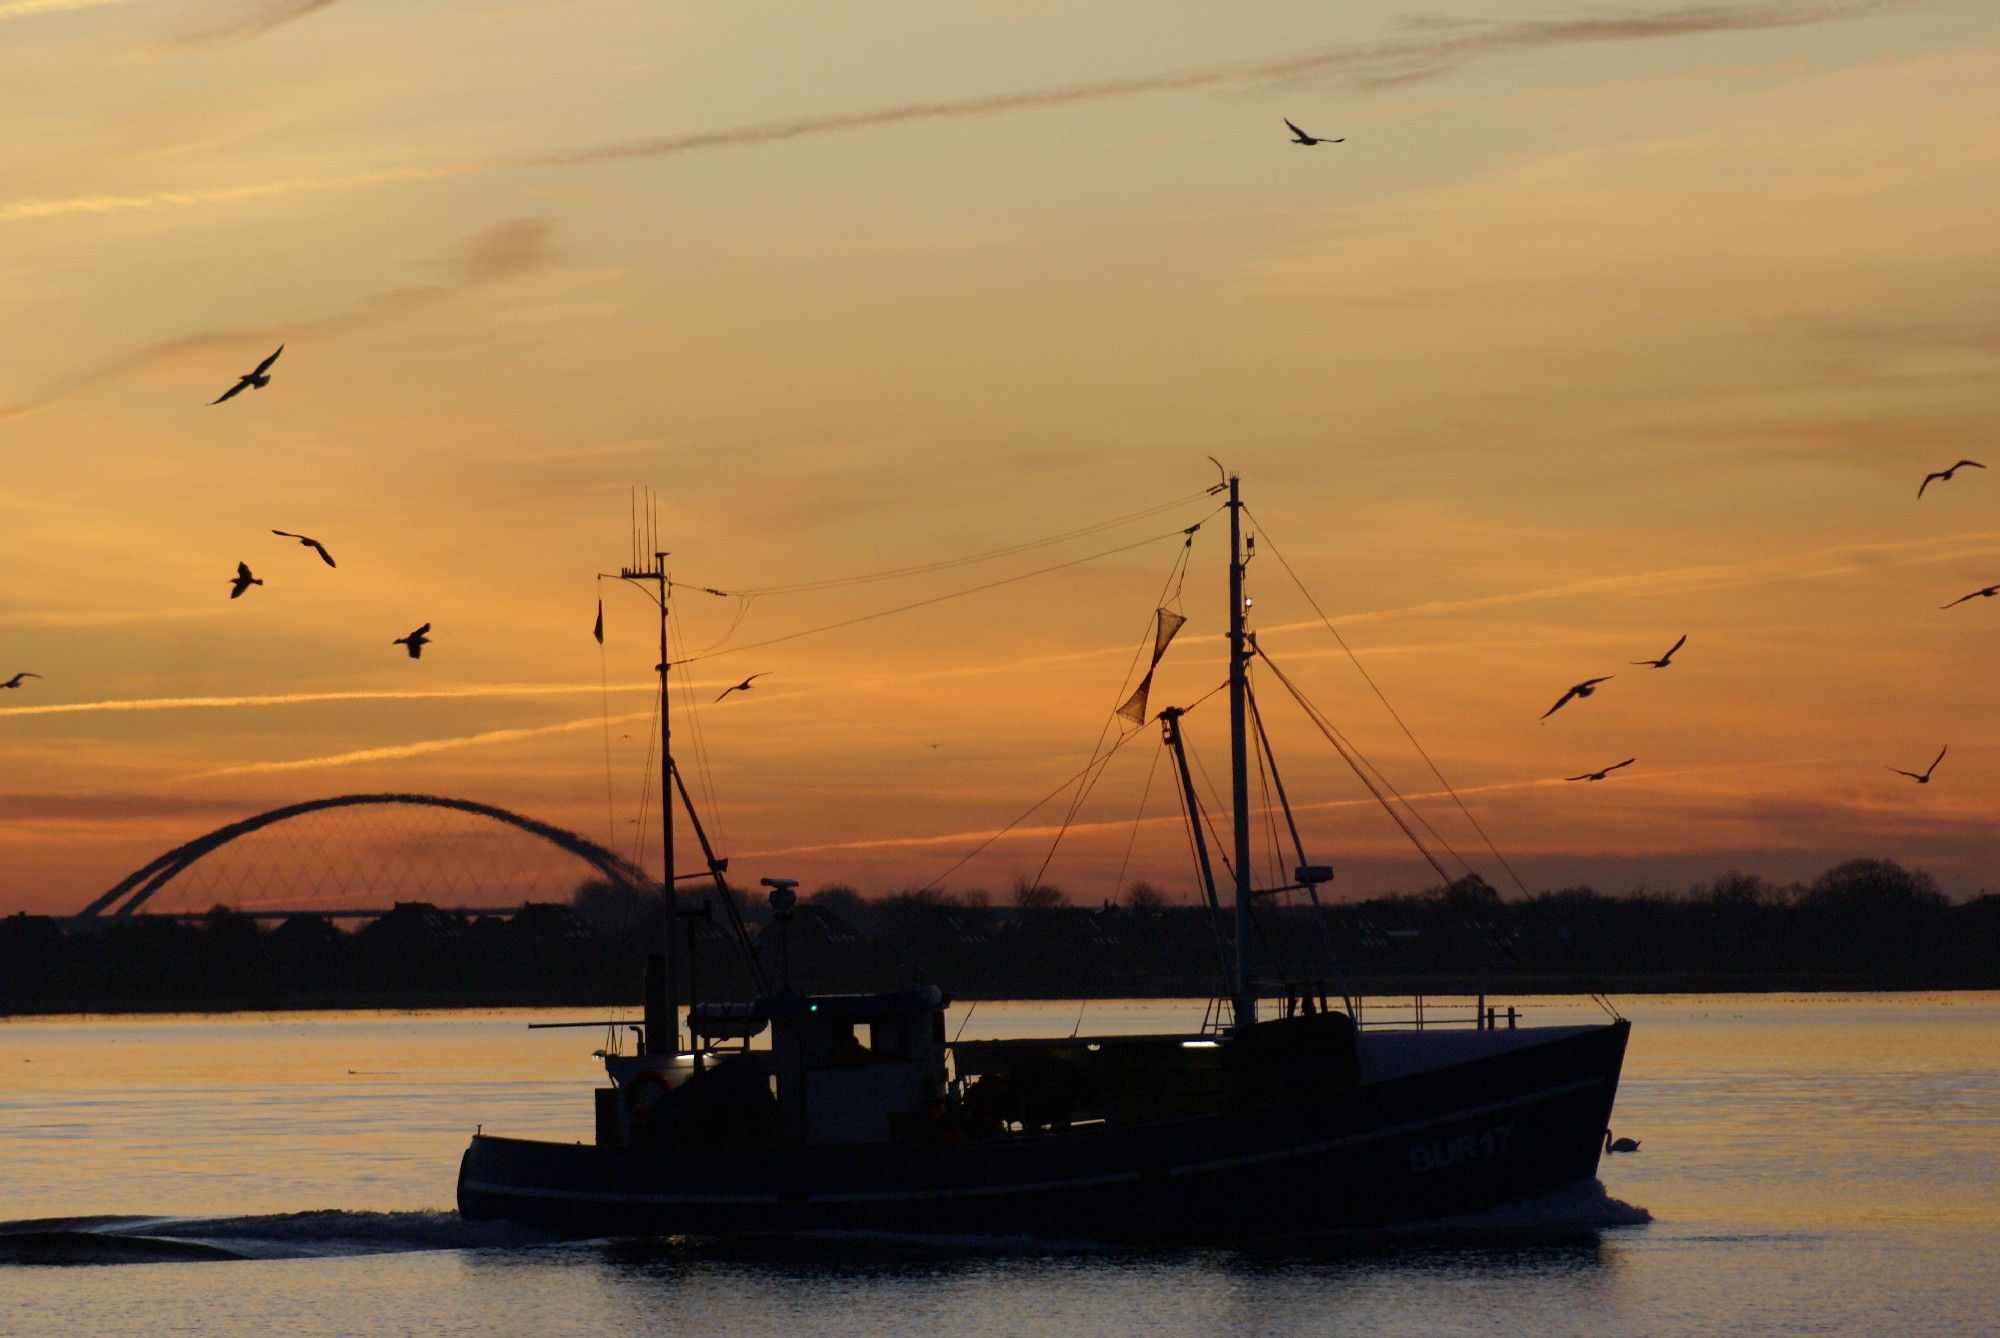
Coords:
1284,1116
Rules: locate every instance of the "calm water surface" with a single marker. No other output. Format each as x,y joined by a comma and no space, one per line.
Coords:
1811,1165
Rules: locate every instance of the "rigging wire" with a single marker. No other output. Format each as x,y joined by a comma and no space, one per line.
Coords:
944,564
1333,736
704,772
1179,569
935,599
646,790
1138,820
1097,763
1382,697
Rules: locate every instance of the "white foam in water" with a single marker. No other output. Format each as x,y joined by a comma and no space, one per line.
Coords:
331,1232
1585,1203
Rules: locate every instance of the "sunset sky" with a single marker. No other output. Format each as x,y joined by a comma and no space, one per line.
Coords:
1607,323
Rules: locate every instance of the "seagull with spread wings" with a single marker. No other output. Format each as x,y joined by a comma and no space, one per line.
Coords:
416,641
1600,775
744,686
15,681
1666,659
1301,137
241,581
1924,779
313,544
1987,593
1583,689
255,380
1945,474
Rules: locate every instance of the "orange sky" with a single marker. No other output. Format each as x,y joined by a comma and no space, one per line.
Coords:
1604,325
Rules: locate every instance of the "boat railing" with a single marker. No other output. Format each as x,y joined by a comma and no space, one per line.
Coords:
1422,1012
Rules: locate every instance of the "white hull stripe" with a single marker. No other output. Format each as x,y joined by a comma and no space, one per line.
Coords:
975,1191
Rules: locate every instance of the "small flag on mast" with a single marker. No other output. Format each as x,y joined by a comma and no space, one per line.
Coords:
598,631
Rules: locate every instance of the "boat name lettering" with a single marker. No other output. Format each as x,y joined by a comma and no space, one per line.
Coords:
1465,1147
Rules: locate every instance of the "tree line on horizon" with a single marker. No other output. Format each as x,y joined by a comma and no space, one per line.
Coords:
1864,924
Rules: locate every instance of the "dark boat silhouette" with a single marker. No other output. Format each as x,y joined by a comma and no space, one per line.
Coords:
1285,1118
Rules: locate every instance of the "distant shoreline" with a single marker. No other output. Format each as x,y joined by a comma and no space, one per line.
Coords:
1497,993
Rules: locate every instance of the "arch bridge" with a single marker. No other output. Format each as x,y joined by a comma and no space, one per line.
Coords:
134,890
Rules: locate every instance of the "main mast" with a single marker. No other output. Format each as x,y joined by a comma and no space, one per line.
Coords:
1245,1001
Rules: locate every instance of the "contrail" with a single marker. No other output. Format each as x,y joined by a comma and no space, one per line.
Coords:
1175,819
1814,563
21,9
1436,48
114,204
304,698
395,751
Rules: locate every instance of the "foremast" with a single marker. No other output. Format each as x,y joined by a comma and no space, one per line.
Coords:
663,1024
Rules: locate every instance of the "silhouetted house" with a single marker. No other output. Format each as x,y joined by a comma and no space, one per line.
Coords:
548,922
412,924
305,932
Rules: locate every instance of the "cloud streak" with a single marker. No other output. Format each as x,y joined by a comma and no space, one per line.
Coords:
1437,47
492,255
255,25
1431,49
1846,560
26,9
423,747
307,698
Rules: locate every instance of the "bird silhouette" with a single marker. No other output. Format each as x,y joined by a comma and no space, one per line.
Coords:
1583,689
313,544
242,581
1946,474
1600,775
1924,779
1664,660
255,380
1301,137
1619,1145
1987,593
15,681
416,641
744,686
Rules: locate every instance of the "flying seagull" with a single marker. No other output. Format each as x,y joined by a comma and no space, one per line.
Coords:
1661,663
1946,474
1600,775
744,686
1583,689
242,581
1301,137
1924,779
313,544
416,641
256,380
1987,593
15,681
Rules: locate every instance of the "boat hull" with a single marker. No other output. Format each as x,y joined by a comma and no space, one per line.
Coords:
1422,1146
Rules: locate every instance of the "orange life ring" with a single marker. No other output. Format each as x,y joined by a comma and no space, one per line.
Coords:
644,1092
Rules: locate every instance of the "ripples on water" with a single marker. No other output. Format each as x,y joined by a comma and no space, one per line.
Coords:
1812,1166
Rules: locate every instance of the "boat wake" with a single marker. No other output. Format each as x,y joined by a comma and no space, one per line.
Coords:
308,1235
1579,1209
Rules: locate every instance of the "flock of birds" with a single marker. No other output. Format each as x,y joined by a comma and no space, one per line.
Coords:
256,379
1589,685
260,376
